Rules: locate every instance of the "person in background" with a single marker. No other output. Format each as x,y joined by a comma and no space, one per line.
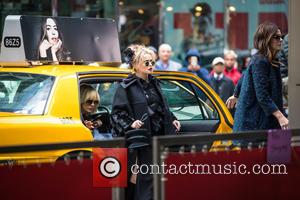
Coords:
246,63
283,56
223,86
192,59
283,59
231,70
260,105
89,101
164,62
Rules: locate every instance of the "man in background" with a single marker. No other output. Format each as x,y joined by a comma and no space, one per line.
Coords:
164,62
231,69
223,86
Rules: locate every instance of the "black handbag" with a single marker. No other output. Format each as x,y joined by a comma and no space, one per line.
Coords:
137,138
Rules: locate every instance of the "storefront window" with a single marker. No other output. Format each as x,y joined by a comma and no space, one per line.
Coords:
213,25
139,22
23,7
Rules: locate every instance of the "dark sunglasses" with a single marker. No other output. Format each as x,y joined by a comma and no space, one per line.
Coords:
90,102
278,37
148,62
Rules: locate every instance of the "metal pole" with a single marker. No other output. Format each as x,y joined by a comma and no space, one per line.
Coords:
54,8
118,193
117,14
161,22
156,176
226,23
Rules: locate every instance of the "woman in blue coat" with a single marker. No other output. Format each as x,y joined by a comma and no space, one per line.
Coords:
259,104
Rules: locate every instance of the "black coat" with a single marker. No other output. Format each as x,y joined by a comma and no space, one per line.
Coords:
224,87
130,104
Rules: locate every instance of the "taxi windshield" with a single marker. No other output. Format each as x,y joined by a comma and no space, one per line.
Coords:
24,93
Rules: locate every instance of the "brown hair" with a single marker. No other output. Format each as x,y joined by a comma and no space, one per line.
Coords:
262,41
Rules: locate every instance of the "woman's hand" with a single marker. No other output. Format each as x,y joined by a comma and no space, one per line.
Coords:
137,124
177,125
282,120
97,123
88,124
194,68
43,48
231,102
55,48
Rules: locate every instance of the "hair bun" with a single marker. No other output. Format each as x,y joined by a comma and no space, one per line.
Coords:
128,55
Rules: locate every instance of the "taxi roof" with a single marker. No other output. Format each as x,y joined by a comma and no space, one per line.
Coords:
61,70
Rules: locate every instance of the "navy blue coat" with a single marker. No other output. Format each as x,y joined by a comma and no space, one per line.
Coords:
130,103
260,96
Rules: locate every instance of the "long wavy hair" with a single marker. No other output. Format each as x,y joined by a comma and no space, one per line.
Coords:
44,36
262,41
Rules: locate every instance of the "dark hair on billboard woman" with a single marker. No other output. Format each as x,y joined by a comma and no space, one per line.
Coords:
51,44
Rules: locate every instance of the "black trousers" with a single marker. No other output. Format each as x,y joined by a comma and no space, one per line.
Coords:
143,189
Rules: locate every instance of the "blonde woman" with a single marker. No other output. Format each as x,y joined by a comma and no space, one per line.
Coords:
139,104
90,100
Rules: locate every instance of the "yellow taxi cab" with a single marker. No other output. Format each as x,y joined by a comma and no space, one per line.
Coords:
40,101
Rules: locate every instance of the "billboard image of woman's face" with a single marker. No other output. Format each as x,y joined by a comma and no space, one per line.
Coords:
51,31
50,47
63,39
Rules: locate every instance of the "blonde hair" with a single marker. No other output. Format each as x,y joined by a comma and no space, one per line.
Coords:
139,53
230,52
85,93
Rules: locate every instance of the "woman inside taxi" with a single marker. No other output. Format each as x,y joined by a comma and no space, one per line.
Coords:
90,100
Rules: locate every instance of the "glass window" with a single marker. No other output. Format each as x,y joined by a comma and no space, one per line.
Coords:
188,102
107,91
214,25
24,93
139,22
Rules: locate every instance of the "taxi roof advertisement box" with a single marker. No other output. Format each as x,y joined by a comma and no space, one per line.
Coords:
61,39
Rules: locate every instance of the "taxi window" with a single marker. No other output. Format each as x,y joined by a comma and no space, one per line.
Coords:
188,102
107,92
24,93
